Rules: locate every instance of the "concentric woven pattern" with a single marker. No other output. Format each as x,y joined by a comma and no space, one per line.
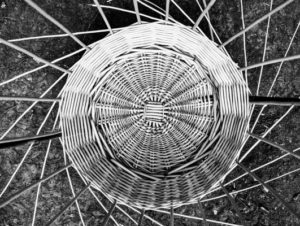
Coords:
154,115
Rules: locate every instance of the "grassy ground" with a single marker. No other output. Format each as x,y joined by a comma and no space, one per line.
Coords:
19,20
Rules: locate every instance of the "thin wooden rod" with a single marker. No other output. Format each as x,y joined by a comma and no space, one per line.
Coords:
172,216
290,209
34,56
22,140
234,204
274,145
106,219
264,52
211,3
283,101
141,217
58,24
202,212
208,19
30,99
167,9
256,22
274,61
103,16
137,13
70,203
19,193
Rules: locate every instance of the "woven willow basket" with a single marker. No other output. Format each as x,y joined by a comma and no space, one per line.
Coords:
154,115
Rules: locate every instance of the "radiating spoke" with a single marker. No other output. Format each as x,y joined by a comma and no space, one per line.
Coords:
136,9
141,217
37,58
244,40
33,185
234,204
167,9
103,15
111,210
264,51
195,218
274,61
68,205
257,22
54,21
22,140
253,186
172,216
29,99
202,212
72,190
274,145
266,186
44,166
205,11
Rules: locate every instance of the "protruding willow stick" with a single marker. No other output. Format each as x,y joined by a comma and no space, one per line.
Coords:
202,212
22,140
172,216
34,56
54,21
290,209
103,15
274,61
67,206
167,9
30,99
234,204
141,217
211,3
136,8
283,101
256,22
274,145
109,213
17,194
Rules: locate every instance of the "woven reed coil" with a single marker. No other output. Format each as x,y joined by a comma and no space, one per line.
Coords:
154,115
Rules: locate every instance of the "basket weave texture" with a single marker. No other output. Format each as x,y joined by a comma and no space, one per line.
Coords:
154,115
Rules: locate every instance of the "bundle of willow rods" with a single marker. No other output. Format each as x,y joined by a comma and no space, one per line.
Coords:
154,115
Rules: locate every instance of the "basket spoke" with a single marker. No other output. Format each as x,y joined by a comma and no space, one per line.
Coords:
274,61
264,51
274,145
283,5
250,187
103,16
172,216
242,219
111,210
67,206
202,212
43,169
33,185
141,217
37,58
204,12
29,99
290,209
58,24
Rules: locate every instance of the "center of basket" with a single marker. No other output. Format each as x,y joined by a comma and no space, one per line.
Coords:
154,113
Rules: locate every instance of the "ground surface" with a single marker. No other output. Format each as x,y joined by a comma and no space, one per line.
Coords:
258,206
